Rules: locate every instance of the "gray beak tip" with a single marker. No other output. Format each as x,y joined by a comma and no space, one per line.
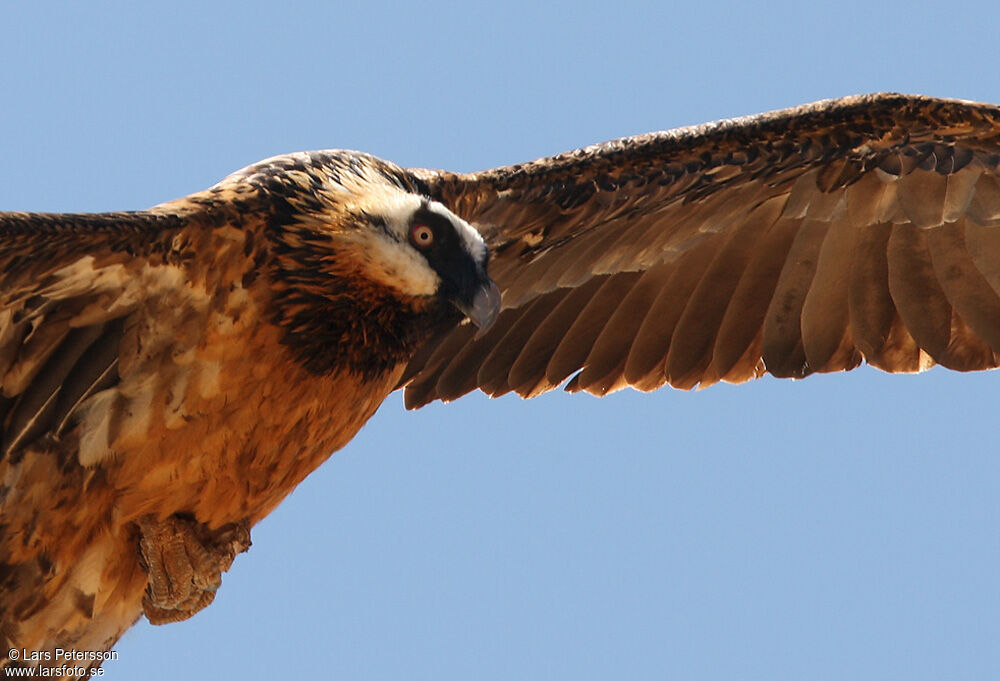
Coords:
485,306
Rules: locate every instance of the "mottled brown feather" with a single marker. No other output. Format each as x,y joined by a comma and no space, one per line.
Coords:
527,373
922,196
917,294
782,349
984,207
573,349
661,318
620,330
983,244
199,359
742,324
495,371
965,287
870,306
826,336
693,340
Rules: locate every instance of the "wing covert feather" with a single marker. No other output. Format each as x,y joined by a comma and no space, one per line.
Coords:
68,282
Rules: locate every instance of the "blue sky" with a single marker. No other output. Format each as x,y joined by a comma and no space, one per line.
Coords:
840,527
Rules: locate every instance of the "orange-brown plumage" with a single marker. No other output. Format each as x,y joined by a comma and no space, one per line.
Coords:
172,381
168,377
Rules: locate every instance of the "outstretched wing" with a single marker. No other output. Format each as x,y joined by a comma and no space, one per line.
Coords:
98,317
69,284
794,242
66,284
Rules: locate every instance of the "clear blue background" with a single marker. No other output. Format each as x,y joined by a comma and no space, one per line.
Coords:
841,527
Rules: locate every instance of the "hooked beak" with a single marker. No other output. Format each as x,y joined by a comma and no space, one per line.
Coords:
485,305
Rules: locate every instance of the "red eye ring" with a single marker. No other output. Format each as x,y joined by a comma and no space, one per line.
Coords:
422,236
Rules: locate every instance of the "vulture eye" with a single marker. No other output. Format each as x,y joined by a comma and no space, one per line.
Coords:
422,236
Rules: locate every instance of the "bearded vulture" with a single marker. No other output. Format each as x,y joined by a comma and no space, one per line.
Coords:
168,376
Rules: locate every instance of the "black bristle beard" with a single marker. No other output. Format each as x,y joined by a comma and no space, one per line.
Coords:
359,329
